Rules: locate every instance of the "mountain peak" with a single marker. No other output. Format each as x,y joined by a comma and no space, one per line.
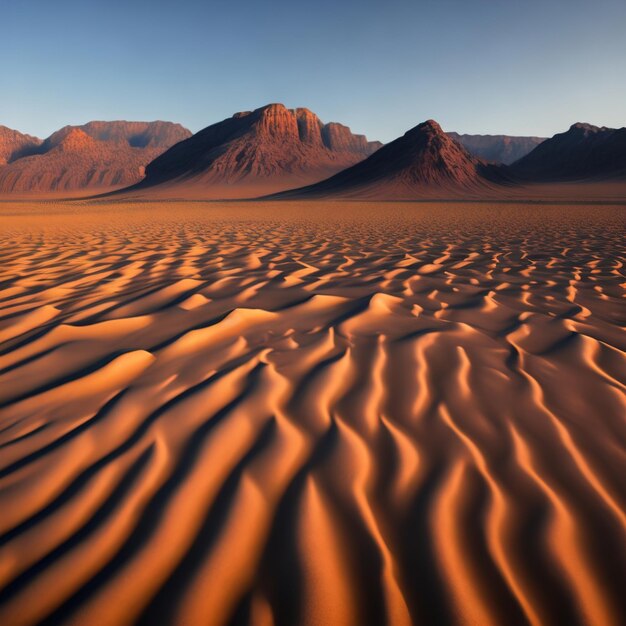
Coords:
276,120
427,131
583,126
74,139
267,110
273,107
429,125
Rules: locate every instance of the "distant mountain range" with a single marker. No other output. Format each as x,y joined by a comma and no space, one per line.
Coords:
273,149
255,152
497,148
94,156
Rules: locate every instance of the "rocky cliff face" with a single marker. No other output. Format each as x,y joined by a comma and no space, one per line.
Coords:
584,152
268,149
95,156
309,127
497,148
338,137
424,161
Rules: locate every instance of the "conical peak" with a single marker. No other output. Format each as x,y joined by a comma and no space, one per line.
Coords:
426,133
430,125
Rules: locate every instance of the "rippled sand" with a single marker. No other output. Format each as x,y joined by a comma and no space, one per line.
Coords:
312,414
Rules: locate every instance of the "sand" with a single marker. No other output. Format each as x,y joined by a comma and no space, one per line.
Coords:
314,413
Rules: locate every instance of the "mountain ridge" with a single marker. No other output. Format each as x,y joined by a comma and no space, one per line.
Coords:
93,156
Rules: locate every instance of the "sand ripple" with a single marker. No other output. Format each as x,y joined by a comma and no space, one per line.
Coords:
315,414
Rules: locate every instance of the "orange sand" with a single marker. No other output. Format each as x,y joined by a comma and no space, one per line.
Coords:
314,413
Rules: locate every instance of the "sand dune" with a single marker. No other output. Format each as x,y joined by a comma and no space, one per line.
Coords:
314,413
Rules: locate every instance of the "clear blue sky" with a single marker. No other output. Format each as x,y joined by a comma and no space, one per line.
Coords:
479,66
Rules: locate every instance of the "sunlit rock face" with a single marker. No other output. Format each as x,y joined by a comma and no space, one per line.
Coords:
270,149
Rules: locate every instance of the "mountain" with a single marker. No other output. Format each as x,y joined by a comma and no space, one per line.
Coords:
14,145
584,152
254,152
424,162
94,156
497,148
136,134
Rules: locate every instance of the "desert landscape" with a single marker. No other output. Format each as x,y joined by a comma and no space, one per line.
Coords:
313,314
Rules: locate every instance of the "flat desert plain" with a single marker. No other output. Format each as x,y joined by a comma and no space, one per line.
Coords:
312,413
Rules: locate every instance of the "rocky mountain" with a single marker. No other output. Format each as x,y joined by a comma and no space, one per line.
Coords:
97,156
424,162
254,152
583,152
497,148
14,145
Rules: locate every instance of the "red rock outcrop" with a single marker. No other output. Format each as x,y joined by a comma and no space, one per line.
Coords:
254,152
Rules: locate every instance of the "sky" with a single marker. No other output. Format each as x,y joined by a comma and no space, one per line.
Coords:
523,67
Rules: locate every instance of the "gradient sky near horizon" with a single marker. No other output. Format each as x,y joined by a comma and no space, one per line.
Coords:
526,67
